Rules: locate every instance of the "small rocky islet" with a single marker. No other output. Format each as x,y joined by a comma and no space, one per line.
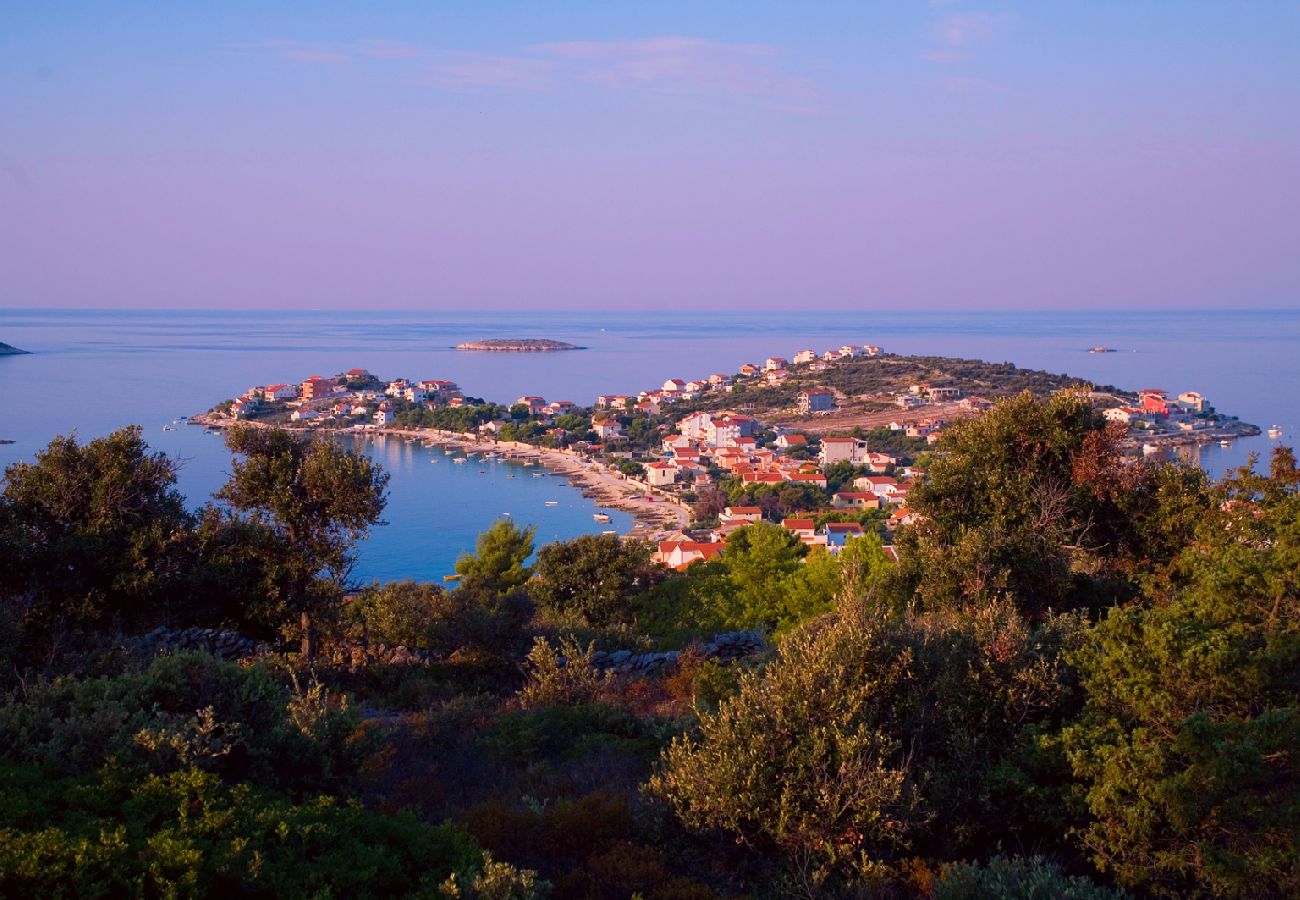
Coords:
525,345
7,350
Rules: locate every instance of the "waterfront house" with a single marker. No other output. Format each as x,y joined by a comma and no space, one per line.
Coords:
280,392
679,554
303,415
315,388
660,474
536,405
607,429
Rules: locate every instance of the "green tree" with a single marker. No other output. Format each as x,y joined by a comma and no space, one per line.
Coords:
498,566
93,537
875,738
319,498
591,580
1026,503
1187,746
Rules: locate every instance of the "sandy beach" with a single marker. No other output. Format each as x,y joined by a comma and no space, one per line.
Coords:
656,513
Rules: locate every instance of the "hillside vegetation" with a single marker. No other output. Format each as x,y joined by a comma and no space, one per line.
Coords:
1078,679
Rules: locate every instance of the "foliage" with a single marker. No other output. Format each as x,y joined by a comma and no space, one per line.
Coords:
874,737
185,833
591,580
495,881
1025,503
188,710
1187,745
319,498
498,564
93,536
1016,879
561,675
422,615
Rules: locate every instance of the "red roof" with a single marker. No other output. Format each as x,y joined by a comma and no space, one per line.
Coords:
844,526
798,524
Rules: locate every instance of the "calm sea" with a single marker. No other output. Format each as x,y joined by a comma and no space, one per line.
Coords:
92,371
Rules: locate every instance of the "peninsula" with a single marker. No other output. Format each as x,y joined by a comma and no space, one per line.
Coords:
527,345
6,350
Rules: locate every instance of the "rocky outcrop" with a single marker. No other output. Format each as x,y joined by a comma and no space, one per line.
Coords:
725,647
218,642
6,350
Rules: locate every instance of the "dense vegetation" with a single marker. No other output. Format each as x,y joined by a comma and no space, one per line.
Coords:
1081,679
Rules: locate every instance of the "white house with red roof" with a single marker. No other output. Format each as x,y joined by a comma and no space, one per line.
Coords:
680,554
803,357
660,474
804,529
855,500
775,363
673,386
607,429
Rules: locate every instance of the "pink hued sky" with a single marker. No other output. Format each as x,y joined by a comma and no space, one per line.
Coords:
681,156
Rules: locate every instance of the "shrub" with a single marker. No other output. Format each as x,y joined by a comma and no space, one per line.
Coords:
1016,878
563,675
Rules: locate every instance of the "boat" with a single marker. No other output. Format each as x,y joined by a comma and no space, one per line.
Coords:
1225,443
600,517
1150,448
507,515
169,428
609,531
1101,349
460,460
435,461
1275,431
451,578
552,502
537,474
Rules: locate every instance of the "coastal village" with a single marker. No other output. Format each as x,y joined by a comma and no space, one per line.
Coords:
691,459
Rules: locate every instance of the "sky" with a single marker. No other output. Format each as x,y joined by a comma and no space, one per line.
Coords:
667,156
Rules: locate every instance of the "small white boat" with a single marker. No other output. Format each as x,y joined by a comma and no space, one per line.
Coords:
460,460
1225,443
600,517
169,428
435,461
1275,431
552,502
507,515
537,474
1148,449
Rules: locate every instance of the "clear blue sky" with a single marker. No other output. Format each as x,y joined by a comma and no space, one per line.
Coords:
673,155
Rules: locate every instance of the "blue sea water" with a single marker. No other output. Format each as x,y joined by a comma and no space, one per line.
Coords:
92,371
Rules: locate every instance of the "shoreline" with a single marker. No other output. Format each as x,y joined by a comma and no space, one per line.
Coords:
608,490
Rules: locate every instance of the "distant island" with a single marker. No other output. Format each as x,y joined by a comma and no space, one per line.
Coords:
530,345
6,350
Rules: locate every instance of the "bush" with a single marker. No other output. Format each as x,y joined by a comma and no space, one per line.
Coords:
1016,878
564,675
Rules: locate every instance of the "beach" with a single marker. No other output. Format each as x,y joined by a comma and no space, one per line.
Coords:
655,513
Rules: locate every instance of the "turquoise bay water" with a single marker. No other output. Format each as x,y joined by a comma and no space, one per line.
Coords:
92,371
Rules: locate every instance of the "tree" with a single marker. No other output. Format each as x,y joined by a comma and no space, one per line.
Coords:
318,497
498,567
93,537
591,579
765,581
1032,501
1187,745
874,738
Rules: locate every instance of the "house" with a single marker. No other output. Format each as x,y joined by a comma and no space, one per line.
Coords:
694,426
315,387
804,529
681,553
648,408
357,375
694,387
304,415
849,351
908,401
536,405
831,355
613,401
902,516
558,407
1194,402
790,441
815,401
415,394
879,462
749,370
804,357
383,416
940,394
774,363
882,486
748,514
816,478
280,392
359,410
872,350
855,500
838,533
607,429
673,386
720,432
397,387
841,449
660,474
762,477
242,407
975,403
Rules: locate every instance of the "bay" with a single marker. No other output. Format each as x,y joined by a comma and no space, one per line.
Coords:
91,371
